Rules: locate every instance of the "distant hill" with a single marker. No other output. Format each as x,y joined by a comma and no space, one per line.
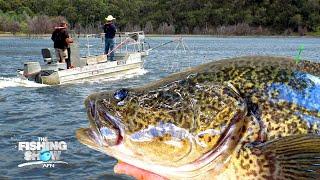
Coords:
227,17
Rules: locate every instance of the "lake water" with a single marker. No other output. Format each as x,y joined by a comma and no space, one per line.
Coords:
29,111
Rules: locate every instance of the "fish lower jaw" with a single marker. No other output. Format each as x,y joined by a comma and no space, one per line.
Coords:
123,153
214,161
190,171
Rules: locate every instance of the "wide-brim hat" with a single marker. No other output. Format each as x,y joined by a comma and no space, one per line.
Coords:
110,18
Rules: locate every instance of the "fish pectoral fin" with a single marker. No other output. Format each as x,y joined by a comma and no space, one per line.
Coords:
293,157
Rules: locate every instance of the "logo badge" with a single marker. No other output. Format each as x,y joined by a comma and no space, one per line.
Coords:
42,152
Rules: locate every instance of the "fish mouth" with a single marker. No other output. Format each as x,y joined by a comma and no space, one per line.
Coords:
105,128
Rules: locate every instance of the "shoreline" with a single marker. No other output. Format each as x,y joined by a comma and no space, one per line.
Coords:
10,35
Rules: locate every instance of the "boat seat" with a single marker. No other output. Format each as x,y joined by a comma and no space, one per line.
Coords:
47,56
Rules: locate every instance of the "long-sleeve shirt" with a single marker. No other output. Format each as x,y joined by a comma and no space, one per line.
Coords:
59,37
109,30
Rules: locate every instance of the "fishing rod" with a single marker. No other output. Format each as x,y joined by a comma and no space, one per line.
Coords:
131,37
161,45
171,41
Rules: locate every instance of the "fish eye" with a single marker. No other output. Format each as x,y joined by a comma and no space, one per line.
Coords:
120,94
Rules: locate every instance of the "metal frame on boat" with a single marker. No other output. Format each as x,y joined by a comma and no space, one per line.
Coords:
129,53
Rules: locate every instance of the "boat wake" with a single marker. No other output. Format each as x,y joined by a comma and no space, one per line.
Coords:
6,82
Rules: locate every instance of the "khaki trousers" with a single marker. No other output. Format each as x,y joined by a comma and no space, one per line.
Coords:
62,55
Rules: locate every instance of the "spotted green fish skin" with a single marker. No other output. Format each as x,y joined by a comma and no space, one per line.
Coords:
227,118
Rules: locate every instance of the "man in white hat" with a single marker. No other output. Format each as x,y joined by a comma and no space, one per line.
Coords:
110,30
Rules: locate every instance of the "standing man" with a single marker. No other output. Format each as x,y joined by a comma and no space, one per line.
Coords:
110,30
61,39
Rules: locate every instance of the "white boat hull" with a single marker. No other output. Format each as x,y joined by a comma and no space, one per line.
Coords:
106,69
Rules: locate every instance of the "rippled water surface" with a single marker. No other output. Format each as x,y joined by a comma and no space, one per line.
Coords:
28,111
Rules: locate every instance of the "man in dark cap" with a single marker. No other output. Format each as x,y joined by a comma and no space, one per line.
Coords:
61,39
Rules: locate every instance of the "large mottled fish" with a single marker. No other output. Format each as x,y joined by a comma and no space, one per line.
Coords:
241,118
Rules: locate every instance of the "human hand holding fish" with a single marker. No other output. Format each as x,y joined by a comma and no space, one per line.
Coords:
137,173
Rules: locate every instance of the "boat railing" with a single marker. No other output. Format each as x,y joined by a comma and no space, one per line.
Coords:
88,45
125,42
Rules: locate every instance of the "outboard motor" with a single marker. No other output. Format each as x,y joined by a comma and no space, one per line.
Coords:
31,70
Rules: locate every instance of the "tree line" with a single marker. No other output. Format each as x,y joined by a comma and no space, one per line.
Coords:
234,17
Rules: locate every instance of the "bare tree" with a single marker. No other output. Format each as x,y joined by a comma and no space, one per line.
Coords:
148,28
15,27
42,24
166,28
39,24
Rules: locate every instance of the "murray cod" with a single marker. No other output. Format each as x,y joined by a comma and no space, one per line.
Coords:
240,118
